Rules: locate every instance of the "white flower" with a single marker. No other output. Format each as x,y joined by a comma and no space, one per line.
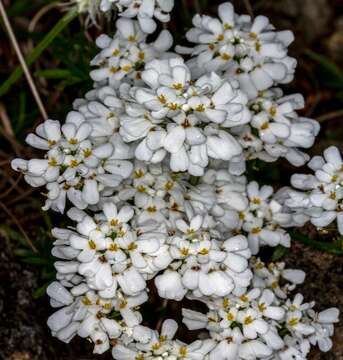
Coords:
228,349
169,286
248,50
321,197
143,10
276,130
323,324
263,217
169,114
73,166
124,55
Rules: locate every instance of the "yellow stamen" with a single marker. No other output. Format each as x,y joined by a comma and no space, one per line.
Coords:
87,153
226,303
248,320
132,247
151,209
203,251
116,52
162,99
141,55
86,301
73,141
114,222
226,57
184,251
262,307
92,244
123,304
244,298
126,68
172,106
52,162
177,86
114,69
200,108
256,230
293,321
272,111
113,247
256,201
74,163
138,173
168,185
230,317
265,125
183,351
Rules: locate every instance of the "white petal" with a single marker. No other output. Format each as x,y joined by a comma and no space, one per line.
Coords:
90,192
175,139
59,293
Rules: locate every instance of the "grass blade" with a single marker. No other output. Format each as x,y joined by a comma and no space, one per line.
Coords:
34,55
333,248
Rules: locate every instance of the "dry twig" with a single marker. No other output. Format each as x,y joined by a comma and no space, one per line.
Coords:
40,14
8,212
21,59
12,187
11,140
21,196
5,120
331,115
249,8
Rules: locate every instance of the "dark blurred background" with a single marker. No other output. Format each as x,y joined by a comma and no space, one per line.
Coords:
59,66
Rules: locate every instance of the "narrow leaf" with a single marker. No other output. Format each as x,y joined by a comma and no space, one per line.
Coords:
34,55
318,245
53,74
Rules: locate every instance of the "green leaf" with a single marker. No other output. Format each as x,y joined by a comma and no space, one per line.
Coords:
330,247
53,74
332,74
36,261
41,291
17,8
24,252
14,235
34,55
22,112
279,252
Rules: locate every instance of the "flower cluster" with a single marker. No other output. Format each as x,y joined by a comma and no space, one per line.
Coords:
153,162
276,130
74,167
240,48
145,11
184,119
319,197
125,55
265,322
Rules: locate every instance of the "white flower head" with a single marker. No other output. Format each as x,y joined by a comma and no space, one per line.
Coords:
123,57
73,167
248,50
173,115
